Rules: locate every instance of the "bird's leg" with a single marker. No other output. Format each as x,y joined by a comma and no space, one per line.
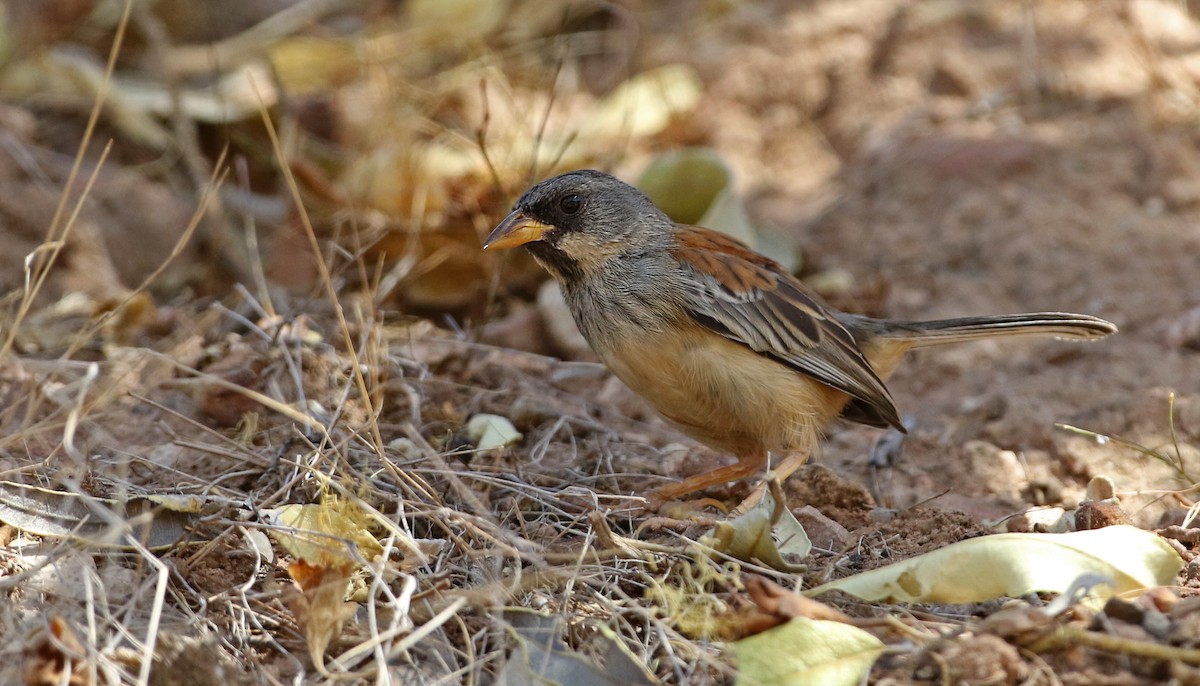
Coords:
745,466
786,467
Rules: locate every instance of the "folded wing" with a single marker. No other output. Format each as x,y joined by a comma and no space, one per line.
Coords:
751,299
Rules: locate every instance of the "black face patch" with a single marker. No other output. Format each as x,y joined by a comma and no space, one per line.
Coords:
553,259
563,209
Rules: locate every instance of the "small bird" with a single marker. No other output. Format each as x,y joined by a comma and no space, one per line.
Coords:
722,341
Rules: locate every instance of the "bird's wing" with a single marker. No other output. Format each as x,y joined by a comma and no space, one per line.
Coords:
751,299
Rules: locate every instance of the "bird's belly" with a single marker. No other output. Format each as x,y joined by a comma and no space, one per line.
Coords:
724,394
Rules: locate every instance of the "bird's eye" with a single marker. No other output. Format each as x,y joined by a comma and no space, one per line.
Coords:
570,204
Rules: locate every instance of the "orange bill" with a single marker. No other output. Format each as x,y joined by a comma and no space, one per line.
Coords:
516,229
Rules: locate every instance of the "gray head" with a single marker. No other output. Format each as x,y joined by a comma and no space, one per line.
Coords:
576,222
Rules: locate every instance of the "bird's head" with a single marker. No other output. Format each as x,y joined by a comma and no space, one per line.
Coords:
577,222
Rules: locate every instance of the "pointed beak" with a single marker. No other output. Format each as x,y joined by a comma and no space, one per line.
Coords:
516,229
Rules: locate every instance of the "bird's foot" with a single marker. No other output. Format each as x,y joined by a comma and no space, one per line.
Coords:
677,515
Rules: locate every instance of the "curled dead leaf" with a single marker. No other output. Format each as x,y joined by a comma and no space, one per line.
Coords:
775,605
56,658
768,533
320,604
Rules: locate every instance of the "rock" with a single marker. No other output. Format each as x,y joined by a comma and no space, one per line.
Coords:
822,531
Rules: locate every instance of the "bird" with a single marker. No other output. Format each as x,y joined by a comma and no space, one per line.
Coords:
723,342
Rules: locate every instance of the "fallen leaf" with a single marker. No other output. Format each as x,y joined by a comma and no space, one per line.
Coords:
644,105
696,186
50,513
541,657
1014,565
320,603
330,533
443,23
491,431
56,658
238,95
260,543
768,534
776,605
310,65
806,651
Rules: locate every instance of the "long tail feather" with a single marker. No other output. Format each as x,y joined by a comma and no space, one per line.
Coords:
1056,324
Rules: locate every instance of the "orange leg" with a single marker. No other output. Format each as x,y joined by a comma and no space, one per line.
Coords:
780,472
745,466
789,464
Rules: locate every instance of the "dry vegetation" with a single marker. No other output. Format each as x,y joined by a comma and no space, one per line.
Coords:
247,324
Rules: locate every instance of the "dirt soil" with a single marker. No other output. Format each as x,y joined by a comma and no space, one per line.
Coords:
928,160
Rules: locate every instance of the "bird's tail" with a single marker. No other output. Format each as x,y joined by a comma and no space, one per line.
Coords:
1056,324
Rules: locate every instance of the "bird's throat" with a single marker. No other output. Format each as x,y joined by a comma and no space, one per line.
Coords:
555,261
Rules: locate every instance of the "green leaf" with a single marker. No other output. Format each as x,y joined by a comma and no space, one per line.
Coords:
695,186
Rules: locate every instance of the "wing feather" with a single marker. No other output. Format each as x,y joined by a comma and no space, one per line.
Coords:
748,298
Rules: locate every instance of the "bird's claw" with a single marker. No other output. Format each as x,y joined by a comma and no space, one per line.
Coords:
679,514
